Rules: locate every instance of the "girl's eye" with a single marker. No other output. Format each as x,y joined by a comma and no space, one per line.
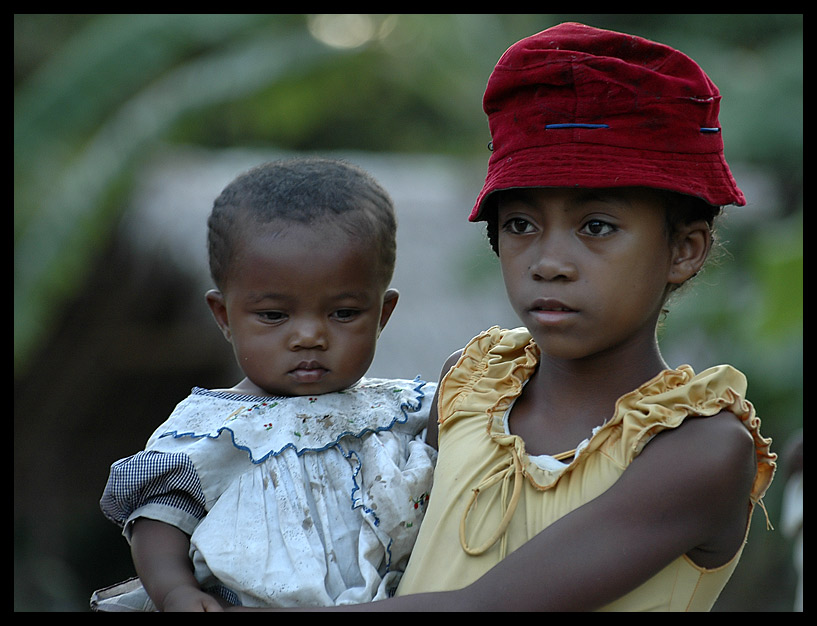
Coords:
598,228
517,226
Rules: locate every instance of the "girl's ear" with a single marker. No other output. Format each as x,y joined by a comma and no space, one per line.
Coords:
218,307
690,250
389,303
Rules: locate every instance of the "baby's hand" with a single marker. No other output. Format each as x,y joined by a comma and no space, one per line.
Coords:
187,598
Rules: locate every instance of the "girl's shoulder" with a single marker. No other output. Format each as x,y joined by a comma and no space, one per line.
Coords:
701,423
491,363
709,472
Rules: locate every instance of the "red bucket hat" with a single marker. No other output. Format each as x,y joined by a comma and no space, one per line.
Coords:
575,106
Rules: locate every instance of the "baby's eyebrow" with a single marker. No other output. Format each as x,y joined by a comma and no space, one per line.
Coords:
358,298
256,297
282,298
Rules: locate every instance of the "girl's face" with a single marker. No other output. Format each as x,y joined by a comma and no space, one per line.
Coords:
586,270
303,307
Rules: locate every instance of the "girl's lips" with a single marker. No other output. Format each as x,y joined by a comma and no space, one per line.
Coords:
551,312
551,305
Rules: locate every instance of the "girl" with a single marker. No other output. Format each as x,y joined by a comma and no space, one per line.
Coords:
576,470
305,483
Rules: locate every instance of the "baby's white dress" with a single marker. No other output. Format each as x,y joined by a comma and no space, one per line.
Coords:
298,501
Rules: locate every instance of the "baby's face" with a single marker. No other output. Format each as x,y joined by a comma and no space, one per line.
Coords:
303,307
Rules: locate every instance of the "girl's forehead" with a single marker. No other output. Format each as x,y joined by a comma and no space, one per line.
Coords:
579,198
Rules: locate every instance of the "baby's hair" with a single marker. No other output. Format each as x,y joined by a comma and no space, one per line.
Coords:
306,191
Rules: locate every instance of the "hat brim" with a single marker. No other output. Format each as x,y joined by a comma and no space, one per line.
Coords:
706,176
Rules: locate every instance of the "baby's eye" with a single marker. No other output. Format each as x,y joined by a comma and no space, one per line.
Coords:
598,228
272,316
345,315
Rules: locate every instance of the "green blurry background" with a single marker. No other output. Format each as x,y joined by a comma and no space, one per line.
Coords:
107,341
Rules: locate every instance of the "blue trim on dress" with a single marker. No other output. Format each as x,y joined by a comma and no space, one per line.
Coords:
238,397
299,452
357,503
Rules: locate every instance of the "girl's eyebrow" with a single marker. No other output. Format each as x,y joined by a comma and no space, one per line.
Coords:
600,195
579,201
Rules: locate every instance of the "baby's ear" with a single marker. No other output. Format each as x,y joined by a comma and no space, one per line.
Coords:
690,250
218,307
389,303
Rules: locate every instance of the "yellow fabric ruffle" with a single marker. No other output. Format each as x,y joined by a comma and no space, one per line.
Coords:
497,363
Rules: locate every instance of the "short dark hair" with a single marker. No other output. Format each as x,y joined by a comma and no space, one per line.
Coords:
303,190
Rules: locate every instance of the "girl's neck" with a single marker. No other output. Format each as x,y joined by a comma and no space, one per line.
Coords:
597,382
564,400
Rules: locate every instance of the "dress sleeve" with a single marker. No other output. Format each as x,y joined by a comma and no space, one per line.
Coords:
156,485
493,367
666,401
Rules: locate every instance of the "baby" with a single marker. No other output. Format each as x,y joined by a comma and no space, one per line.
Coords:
305,483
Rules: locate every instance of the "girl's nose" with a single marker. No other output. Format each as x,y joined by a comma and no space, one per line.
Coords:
553,262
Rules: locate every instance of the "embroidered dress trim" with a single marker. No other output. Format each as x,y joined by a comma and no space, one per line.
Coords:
266,426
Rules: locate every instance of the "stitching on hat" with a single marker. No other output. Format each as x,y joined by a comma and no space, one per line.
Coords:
557,126
705,129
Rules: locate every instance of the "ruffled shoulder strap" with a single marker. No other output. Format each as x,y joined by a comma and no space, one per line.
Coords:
493,367
666,400
267,426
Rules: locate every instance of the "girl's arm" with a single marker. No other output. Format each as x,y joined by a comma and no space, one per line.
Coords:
686,493
160,555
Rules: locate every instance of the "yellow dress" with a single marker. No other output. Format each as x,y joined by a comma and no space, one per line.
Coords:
475,449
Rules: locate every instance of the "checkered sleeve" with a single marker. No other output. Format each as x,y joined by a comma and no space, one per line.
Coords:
163,486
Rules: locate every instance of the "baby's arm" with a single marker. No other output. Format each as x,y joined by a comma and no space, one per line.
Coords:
160,555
